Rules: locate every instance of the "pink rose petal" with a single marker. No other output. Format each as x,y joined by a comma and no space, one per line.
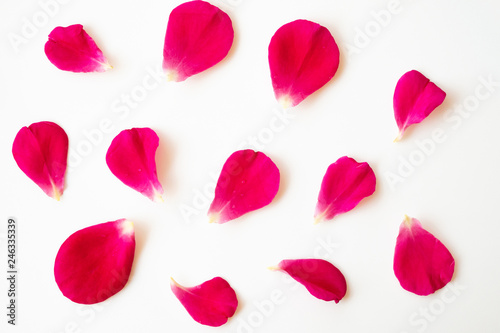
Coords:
72,49
94,263
41,152
199,35
322,279
344,185
131,158
248,181
303,57
415,98
210,303
422,263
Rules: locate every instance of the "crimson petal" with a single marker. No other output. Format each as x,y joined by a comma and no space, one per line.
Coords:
415,97
199,35
322,279
248,181
94,263
344,185
41,152
422,263
72,49
303,57
131,158
210,303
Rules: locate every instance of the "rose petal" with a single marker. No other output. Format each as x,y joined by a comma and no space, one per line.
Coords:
322,279
422,263
303,57
199,35
210,303
131,158
344,185
248,181
94,263
415,98
72,49
41,152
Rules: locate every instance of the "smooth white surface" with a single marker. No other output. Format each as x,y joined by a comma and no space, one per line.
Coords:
454,191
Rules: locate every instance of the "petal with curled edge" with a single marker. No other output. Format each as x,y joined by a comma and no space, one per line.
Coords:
41,152
210,303
415,97
131,158
303,57
422,264
94,263
72,49
344,185
199,35
248,181
321,278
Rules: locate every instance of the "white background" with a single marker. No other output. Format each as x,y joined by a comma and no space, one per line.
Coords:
451,186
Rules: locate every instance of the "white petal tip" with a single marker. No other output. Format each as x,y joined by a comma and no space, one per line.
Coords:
127,227
55,193
285,102
172,76
158,198
105,66
407,221
319,218
213,218
399,137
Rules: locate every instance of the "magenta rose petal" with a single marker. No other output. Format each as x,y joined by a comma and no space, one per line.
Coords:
199,35
41,152
248,181
322,279
303,57
415,97
72,49
422,263
94,263
344,185
131,158
211,303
